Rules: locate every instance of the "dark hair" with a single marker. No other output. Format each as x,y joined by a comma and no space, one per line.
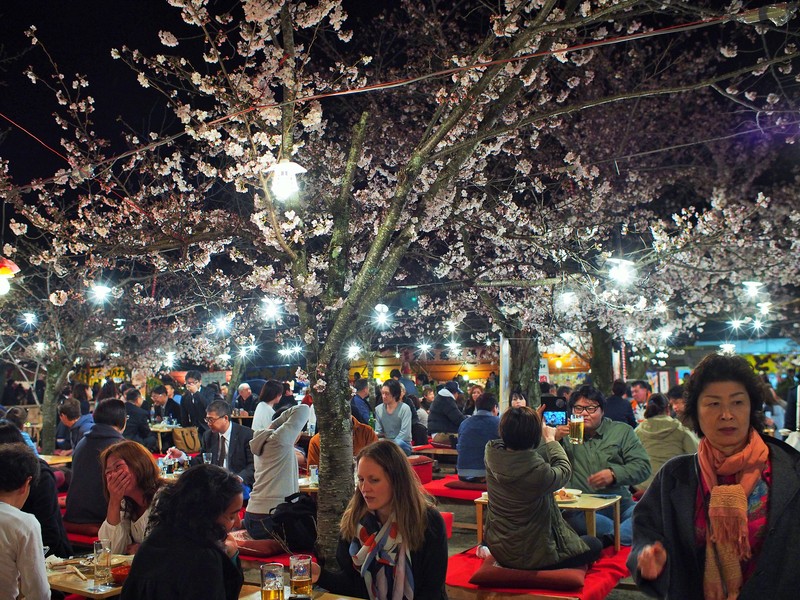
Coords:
395,373
220,407
270,390
10,434
718,367
413,399
70,408
193,375
80,392
563,391
109,390
360,384
485,402
656,405
394,388
215,386
619,387
676,392
132,395
192,505
517,393
642,384
160,390
110,412
521,428
17,463
590,393
545,387
17,415
286,387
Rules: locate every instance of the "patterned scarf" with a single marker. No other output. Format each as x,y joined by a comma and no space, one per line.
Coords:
380,557
727,543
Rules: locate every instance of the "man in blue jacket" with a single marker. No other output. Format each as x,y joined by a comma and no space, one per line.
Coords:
473,435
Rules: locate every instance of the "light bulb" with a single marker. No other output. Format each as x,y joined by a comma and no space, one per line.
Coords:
284,178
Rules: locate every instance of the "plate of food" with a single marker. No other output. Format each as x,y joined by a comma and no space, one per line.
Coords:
567,495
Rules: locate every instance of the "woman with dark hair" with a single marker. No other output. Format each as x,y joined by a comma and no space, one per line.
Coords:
662,436
518,400
131,478
721,523
524,526
189,553
17,416
83,394
270,395
109,390
393,542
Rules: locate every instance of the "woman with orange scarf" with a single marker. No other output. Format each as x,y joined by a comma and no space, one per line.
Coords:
720,524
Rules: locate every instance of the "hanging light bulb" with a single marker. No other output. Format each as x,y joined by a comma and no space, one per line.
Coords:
284,178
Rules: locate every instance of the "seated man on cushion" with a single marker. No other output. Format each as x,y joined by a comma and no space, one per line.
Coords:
473,435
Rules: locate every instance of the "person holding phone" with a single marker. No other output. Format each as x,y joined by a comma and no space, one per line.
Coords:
473,435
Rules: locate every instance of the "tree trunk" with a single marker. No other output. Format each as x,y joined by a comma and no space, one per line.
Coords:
236,378
57,373
524,368
336,455
602,369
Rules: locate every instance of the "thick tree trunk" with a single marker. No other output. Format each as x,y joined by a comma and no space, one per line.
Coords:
602,369
524,368
336,455
236,377
57,373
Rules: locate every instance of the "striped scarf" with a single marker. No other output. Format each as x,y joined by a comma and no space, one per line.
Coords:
382,560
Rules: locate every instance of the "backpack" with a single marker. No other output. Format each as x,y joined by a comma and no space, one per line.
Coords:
294,521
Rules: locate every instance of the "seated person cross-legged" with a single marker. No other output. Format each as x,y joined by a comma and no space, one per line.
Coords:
473,435
609,461
524,526
393,417
131,481
393,542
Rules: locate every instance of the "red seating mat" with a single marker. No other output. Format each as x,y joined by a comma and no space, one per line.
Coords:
438,489
600,579
277,558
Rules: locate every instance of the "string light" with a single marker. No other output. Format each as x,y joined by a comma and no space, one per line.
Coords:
29,318
622,271
752,288
100,292
272,309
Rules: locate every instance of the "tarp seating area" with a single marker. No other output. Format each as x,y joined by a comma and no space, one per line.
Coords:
440,488
597,582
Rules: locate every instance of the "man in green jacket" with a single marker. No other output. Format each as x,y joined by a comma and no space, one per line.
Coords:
610,459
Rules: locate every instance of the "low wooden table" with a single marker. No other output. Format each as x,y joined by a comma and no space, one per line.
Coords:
589,504
242,418
70,583
56,459
159,429
433,452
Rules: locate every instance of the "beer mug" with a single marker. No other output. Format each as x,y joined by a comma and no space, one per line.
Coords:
576,429
272,581
300,574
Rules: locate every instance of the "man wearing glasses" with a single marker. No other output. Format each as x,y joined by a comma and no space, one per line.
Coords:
609,460
195,402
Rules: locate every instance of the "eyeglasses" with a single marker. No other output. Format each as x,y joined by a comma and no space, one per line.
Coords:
192,382
589,410
212,420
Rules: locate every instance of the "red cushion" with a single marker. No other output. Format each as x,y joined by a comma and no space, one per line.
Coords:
90,529
491,574
423,447
466,485
439,489
282,559
600,579
447,517
423,467
247,545
81,540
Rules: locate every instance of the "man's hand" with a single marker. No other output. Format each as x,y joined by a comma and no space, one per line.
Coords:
562,431
601,479
174,453
651,560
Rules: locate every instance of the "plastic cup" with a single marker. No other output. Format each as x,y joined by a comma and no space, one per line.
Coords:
207,458
272,581
300,574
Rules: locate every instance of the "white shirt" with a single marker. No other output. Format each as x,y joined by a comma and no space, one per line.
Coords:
127,532
262,418
22,568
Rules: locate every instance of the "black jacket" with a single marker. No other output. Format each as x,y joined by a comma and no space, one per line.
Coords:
666,513
193,408
444,416
240,457
137,429
428,565
170,409
42,503
619,409
85,500
171,565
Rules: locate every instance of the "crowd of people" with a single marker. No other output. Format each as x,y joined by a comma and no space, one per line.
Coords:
697,451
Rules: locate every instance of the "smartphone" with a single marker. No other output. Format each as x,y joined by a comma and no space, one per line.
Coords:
554,418
554,403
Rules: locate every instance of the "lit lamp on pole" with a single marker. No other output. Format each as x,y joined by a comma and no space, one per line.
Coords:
8,269
621,271
284,178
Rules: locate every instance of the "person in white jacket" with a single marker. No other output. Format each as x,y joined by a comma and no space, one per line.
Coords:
22,568
276,469
270,394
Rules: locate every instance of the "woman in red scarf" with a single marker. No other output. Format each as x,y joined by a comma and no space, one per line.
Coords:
719,524
393,544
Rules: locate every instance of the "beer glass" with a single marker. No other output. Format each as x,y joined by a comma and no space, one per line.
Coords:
102,564
576,429
300,574
272,581
207,458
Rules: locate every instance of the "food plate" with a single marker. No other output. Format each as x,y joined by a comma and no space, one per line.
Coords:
116,560
567,501
572,491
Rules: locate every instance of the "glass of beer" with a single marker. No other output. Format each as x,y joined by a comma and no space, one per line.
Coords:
300,574
272,581
576,429
102,564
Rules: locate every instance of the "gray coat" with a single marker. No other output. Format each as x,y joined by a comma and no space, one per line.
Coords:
524,527
666,513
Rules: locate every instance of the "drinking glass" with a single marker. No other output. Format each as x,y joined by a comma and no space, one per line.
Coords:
102,565
207,458
576,429
300,574
272,581
313,474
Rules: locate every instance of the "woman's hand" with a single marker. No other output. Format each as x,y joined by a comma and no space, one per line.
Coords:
132,549
651,560
315,572
230,546
548,433
119,483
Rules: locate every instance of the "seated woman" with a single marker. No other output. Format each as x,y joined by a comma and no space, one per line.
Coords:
524,526
662,436
393,542
17,415
189,553
720,523
131,478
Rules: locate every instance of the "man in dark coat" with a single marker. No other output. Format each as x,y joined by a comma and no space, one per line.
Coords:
195,402
444,418
617,408
137,428
164,406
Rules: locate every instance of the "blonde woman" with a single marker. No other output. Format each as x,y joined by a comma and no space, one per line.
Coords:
393,543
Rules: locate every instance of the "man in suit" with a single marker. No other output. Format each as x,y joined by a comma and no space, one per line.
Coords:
137,428
195,402
164,405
